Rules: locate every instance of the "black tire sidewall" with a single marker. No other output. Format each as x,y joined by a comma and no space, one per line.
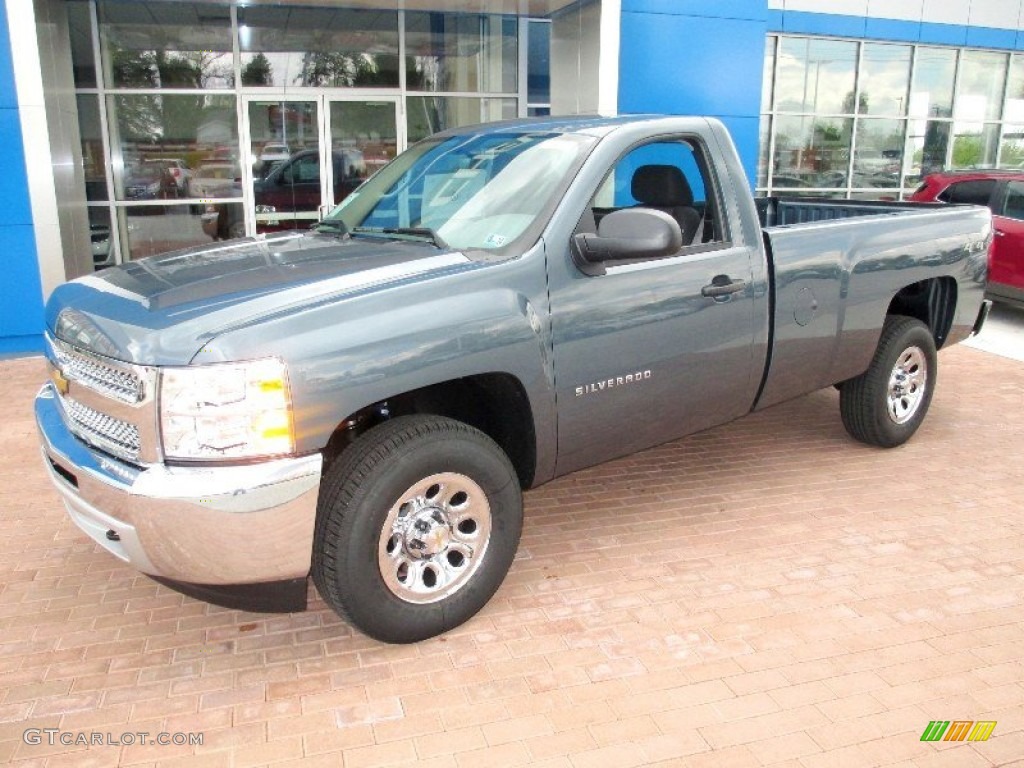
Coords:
368,601
916,334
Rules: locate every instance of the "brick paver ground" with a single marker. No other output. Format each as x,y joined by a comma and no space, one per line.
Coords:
766,593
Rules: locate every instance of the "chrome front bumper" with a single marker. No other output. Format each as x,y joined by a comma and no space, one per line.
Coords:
241,524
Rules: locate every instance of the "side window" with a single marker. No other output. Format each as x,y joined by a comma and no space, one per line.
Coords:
973,192
1013,201
303,171
668,176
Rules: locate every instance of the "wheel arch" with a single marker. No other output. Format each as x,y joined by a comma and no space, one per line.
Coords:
496,403
932,301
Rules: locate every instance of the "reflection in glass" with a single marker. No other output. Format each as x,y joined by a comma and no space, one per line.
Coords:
430,114
1011,148
538,63
975,145
928,143
931,94
876,160
980,90
884,78
99,237
164,137
461,52
815,75
811,151
538,111
166,45
768,75
762,155
152,230
318,47
364,138
80,34
285,151
94,162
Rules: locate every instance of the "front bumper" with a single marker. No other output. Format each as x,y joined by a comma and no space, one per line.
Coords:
210,526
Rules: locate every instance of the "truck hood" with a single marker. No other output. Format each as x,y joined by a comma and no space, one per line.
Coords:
161,310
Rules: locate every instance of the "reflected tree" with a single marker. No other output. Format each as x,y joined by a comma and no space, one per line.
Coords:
258,71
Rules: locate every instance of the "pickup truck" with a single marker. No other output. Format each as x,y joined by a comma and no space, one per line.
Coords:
364,403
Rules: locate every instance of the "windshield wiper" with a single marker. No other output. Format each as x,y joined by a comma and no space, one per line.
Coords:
335,225
425,233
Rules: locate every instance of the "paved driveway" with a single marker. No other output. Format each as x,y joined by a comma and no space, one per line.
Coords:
765,593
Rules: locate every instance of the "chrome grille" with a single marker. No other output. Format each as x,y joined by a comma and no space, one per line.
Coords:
113,435
107,379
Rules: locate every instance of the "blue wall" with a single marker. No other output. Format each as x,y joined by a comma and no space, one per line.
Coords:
21,297
928,33
696,57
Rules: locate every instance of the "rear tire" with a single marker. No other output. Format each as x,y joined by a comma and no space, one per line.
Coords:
417,524
886,404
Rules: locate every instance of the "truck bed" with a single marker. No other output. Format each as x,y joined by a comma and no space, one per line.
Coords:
782,212
834,266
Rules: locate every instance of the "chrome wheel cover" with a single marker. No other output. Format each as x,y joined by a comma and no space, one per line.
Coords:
908,383
434,538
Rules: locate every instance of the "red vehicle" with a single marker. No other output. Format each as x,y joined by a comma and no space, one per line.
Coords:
1003,193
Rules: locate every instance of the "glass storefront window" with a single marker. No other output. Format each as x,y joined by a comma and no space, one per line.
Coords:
163,139
151,230
1011,147
94,161
83,64
975,145
166,45
285,46
461,52
980,91
811,151
762,155
815,75
100,241
931,94
927,143
879,153
430,114
884,79
538,64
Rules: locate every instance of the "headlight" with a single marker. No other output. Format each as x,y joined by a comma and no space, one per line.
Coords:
226,411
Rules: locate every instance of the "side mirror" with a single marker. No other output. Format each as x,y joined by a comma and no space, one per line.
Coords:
632,233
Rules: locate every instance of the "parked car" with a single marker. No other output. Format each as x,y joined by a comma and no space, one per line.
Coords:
102,253
179,172
502,304
293,187
1003,193
151,180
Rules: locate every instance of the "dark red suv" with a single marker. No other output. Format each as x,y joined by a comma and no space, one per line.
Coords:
1003,193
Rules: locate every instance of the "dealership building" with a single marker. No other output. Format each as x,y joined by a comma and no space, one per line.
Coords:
129,129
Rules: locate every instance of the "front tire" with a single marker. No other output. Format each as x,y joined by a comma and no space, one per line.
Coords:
417,524
886,404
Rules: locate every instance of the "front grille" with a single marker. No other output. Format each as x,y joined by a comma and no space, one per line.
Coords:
113,435
107,379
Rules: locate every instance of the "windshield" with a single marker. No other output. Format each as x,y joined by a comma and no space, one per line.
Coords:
469,191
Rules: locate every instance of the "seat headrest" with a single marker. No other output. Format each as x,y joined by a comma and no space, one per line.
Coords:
661,185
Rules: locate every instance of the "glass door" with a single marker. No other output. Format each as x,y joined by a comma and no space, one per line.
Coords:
363,136
307,154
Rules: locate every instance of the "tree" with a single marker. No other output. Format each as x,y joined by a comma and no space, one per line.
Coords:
258,71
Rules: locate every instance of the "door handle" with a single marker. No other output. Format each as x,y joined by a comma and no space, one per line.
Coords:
722,286
997,233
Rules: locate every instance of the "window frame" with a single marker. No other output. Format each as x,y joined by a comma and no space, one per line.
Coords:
712,194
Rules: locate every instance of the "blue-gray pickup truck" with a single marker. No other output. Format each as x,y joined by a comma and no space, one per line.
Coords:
364,402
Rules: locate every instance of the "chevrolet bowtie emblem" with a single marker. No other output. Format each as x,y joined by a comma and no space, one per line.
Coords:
59,381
